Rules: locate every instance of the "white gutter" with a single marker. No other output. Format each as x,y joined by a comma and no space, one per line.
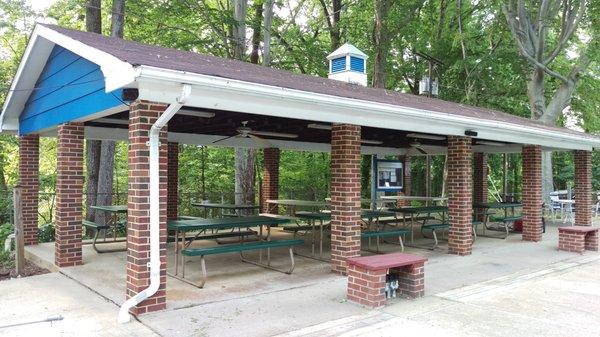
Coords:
153,84
154,264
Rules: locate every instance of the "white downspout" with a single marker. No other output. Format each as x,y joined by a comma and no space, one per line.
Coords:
154,263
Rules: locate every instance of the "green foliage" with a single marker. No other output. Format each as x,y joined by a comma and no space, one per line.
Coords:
6,229
46,233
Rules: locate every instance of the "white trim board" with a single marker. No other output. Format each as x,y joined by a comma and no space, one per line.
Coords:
225,94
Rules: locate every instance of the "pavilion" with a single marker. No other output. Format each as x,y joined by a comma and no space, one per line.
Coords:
76,85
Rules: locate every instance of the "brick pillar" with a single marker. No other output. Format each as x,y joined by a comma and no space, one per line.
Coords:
69,195
583,187
29,180
480,180
172,180
142,115
270,183
345,195
460,207
532,193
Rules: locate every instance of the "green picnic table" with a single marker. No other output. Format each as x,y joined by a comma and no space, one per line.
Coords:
111,222
484,207
201,226
313,217
415,211
235,208
293,204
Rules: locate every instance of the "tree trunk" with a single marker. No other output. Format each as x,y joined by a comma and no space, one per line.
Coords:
244,158
244,175
268,19
256,30
381,40
547,176
93,16
105,177
93,165
117,18
107,147
239,29
93,23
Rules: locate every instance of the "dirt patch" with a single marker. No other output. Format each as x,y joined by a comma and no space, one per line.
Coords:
8,271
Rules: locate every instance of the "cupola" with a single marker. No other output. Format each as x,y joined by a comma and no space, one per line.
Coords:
348,64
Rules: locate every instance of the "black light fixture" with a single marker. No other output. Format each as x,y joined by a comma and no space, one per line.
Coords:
470,133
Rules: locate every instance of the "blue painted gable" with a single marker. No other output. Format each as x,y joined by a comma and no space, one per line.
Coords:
69,88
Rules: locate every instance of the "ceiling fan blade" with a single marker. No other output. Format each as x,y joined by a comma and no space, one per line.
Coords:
274,134
420,150
222,139
263,141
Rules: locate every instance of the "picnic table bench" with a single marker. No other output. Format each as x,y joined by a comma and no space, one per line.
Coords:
112,222
259,245
372,279
486,209
201,226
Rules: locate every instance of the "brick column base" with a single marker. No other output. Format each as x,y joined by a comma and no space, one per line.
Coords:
532,193
583,187
29,180
69,195
142,115
345,195
460,208
270,183
172,180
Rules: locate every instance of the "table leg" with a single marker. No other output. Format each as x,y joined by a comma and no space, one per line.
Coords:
412,231
176,251
268,249
321,240
314,233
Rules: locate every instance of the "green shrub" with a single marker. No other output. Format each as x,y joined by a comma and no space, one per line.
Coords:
46,233
5,230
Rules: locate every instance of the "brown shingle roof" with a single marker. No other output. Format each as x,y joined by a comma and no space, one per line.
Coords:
148,55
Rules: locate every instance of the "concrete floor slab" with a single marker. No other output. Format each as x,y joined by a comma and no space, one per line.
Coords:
243,299
38,297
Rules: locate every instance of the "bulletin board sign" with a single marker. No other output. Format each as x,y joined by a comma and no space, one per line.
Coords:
388,174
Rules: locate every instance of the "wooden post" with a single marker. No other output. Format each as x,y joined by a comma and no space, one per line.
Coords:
19,235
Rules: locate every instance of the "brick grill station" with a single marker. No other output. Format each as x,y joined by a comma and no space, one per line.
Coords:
29,180
345,195
367,277
141,117
69,195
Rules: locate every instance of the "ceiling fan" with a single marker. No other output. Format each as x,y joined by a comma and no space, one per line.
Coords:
245,131
414,144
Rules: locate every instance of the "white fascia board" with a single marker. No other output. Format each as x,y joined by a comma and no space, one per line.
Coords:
220,93
117,74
